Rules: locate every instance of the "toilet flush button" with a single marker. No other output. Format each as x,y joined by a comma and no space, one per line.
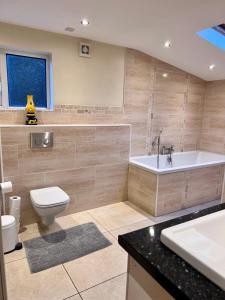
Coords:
41,140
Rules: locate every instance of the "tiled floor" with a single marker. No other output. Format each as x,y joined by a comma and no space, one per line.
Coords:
99,275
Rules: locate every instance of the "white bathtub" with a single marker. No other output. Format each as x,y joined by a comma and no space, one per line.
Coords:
180,161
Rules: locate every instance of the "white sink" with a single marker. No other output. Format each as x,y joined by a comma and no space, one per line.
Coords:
201,242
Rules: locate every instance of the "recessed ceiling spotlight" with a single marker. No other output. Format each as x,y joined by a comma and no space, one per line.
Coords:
211,67
84,22
167,44
69,29
165,75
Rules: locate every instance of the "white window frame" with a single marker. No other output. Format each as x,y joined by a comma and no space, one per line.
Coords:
4,100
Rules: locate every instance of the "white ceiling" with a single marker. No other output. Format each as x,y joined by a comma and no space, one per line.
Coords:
139,24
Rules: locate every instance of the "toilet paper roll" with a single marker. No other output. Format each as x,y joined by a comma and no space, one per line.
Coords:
14,209
14,203
6,187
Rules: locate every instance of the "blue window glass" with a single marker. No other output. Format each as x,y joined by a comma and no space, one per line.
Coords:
213,36
26,76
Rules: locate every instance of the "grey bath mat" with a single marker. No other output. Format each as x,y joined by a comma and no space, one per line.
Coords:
63,246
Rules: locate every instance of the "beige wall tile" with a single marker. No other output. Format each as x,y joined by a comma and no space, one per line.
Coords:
138,71
60,157
171,192
163,66
72,181
196,86
213,124
90,163
174,83
168,104
74,134
142,187
143,77
10,160
204,185
7,117
22,186
137,98
174,191
97,153
14,136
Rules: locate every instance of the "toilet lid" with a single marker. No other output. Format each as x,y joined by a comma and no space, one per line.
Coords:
51,196
7,221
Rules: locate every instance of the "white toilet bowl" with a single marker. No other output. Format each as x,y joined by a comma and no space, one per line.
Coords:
49,202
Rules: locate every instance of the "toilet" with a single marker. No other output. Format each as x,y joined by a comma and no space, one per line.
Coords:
49,202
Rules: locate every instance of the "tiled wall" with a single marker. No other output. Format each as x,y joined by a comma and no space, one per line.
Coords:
151,102
177,107
89,162
165,193
213,125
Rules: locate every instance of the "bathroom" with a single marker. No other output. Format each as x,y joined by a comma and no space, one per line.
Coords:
129,144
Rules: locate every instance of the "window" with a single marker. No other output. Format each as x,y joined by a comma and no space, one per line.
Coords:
214,35
24,74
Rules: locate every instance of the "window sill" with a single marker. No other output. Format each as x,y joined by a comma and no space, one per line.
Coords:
23,108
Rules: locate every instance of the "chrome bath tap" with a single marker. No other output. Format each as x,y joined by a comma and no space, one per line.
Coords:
168,150
157,142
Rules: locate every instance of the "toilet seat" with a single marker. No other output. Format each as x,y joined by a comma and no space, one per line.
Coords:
49,197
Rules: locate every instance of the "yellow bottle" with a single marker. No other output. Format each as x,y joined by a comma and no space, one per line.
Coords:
30,107
30,111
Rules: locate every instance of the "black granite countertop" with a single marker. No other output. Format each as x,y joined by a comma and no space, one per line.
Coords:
175,275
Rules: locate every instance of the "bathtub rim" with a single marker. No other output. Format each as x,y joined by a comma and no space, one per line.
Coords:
177,169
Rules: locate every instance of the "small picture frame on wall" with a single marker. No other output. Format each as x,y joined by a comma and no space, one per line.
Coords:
85,49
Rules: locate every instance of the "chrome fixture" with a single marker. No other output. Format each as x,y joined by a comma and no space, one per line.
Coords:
41,140
168,150
156,142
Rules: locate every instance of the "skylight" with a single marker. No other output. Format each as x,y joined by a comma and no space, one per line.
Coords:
214,35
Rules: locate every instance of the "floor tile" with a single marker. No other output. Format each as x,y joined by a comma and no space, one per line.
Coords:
76,297
85,217
51,284
116,215
114,289
15,255
65,222
37,229
132,227
29,231
97,267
